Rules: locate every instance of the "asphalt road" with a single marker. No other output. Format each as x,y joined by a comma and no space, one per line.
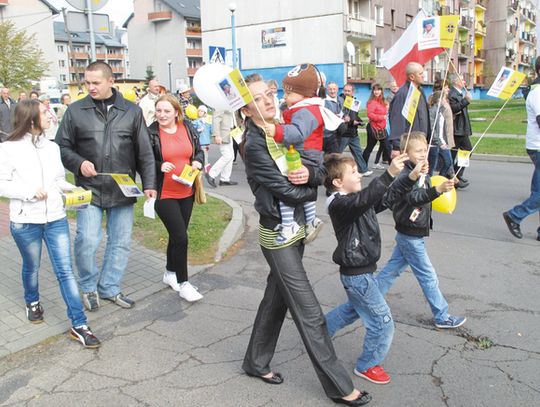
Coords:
167,352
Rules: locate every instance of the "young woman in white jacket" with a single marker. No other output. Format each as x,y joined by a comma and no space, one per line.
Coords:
33,178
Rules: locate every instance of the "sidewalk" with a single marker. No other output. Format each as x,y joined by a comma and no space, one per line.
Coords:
142,278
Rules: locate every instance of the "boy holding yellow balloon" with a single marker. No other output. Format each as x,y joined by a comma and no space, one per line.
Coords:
412,214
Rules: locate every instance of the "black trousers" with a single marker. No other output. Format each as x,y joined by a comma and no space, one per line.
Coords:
371,143
289,288
331,144
175,215
463,143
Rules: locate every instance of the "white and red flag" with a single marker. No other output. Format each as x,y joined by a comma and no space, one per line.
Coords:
406,50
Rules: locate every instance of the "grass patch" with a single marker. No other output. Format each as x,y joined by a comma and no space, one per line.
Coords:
512,120
207,224
500,146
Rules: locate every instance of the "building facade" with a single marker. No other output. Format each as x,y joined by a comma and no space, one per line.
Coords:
72,62
34,16
166,36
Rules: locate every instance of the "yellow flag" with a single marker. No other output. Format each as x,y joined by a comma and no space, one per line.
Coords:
240,85
449,26
347,103
506,83
411,104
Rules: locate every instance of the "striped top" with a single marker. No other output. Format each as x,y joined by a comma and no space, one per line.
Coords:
267,238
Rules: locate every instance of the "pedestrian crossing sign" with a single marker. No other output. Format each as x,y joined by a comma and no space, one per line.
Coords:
217,55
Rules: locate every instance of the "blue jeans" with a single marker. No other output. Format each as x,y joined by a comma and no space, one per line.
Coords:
411,250
356,151
532,203
366,302
29,238
447,167
115,259
433,159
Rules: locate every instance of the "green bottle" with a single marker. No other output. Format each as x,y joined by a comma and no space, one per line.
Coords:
293,159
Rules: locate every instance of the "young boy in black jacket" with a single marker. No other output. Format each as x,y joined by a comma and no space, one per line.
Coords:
353,214
412,214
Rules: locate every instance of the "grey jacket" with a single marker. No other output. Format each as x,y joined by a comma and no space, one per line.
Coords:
222,121
6,118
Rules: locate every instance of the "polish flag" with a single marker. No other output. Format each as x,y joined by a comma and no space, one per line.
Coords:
405,50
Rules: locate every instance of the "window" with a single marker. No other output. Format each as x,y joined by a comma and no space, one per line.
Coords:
61,63
63,78
60,48
378,55
408,20
379,15
393,16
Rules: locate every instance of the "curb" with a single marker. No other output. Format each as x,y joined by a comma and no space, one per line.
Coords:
501,158
234,229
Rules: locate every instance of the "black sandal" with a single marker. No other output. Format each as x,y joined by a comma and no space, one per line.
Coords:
363,398
276,378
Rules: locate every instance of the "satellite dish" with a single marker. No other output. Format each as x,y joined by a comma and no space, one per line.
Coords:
350,49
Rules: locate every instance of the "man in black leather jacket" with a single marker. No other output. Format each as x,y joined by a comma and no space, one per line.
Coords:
99,135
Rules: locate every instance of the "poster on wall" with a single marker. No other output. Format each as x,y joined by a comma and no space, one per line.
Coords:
273,37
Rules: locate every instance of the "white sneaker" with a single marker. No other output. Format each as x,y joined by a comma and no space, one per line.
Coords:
312,230
188,292
378,166
366,174
287,233
169,278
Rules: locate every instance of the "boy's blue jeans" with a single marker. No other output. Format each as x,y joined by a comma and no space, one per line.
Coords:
29,238
411,250
366,302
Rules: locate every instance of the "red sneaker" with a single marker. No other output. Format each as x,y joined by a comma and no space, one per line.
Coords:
375,374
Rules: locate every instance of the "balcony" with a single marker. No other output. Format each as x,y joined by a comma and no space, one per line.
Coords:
4,3
194,52
526,37
363,72
78,55
158,16
463,51
115,56
465,23
360,27
191,71
480,28
118,70
77,69
480,55
193,32
481,4
480,80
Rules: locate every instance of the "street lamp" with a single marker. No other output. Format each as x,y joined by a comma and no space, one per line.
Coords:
232,8
169,62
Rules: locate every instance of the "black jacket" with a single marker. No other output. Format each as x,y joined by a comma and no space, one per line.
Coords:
399,125
356,227
6,118
197,155
403,204
269,186
349,129
458,104
116,144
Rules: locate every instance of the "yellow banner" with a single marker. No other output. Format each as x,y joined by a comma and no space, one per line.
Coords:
411,104
449,26
347,103
506,83
240,85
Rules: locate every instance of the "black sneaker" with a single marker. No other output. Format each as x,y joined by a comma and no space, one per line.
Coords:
211,181
34,312
121,300
227,183
513,227
84,335
90,300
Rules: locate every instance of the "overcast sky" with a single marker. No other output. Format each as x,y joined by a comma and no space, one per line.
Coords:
118,10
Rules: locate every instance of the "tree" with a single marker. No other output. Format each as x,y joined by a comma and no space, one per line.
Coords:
21,61
149,75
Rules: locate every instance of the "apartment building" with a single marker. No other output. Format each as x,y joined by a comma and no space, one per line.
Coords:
34,16
166,36
72,62
512,36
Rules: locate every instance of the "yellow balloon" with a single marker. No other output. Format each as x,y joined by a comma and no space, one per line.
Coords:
130,95
446,203
191,112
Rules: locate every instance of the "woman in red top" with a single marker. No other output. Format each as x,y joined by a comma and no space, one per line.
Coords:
175,144
377,109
